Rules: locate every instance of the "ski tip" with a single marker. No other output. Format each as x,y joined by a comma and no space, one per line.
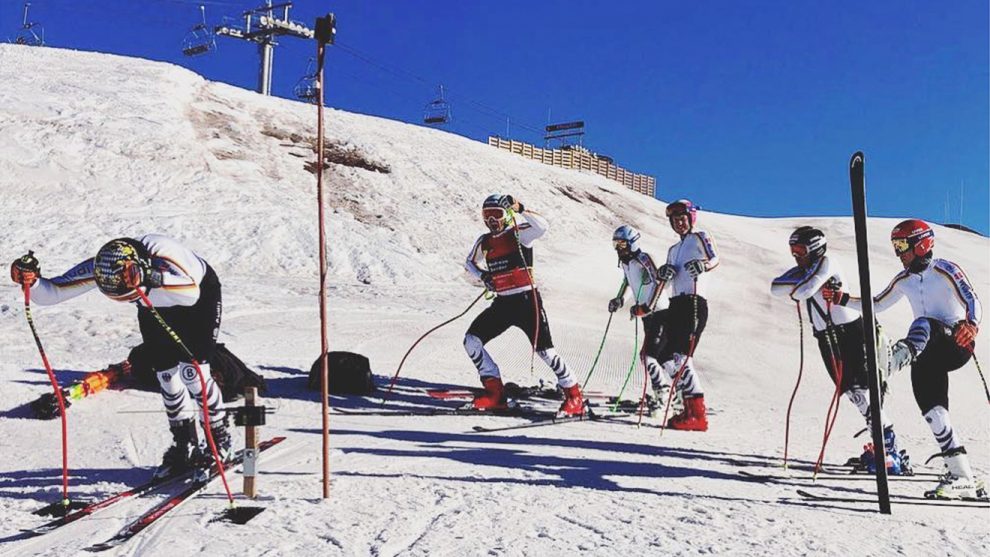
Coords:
857,159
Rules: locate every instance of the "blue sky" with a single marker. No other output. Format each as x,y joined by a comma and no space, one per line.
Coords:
745,107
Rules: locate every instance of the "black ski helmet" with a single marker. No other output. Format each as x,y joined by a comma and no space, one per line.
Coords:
811,239
493,212
108,266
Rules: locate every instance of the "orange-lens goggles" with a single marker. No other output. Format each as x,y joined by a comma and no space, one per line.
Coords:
901,245
620,245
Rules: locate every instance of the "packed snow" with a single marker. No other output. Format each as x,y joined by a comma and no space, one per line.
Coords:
97,146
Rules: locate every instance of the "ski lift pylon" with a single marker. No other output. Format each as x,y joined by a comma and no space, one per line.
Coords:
307,88
29,33
200,39
437,113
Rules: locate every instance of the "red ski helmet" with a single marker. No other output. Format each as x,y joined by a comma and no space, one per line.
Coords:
683,207
914,235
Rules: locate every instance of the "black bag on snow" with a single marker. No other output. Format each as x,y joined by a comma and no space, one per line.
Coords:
348,374
231,374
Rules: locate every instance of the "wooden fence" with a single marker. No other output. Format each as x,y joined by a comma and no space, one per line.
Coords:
580,159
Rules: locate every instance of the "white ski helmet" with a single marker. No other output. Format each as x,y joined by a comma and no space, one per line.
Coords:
625,239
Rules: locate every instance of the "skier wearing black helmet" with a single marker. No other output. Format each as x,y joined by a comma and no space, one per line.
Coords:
507,251
839,332
185,291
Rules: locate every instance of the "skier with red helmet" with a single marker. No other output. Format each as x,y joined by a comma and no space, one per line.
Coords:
686,269
839,332
941,339
507,251
185,292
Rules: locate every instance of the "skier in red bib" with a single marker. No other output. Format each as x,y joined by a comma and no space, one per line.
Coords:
507,250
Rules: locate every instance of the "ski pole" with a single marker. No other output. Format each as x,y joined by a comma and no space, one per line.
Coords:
982,378
602,345
632,364
395,377
833,407
532,289
691,342
202,385
58,390
787,422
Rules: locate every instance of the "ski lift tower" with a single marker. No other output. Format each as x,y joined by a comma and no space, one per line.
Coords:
261,26
28,34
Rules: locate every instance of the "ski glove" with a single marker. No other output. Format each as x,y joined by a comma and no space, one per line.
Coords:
666,272
509,203
695,267
487,279
25,270
965,333
136,274
614,304
833,294
638,310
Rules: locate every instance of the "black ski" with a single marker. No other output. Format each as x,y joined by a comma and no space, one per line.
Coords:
900,499
826,474
512,412
148,518
547,421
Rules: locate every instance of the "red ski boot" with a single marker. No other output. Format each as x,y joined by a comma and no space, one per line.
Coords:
493,398
693,417
573,403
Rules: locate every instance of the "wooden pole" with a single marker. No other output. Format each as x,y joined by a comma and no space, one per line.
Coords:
250,448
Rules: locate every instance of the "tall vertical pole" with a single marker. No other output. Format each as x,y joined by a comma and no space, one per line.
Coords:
266,51
324,35
857,182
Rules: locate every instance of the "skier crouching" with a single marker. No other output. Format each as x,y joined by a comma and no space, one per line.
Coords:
839,331
941,339
185,291
507,250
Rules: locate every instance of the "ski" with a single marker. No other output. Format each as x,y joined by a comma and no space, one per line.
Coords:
148,518
512,412
91,508
900,499
828,475
552,420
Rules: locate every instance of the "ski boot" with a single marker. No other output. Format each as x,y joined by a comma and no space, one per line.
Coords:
693,418
203,458
898,462
178,457
494,396
958,482
573,403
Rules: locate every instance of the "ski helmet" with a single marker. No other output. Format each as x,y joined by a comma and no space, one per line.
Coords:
914,235
108,266
683,207
807,241
493,212
625,240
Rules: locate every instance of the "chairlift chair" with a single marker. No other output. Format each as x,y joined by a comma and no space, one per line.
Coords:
200,39
437,113
31,34
306,88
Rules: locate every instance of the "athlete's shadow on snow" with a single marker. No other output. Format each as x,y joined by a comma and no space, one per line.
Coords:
45,484
586,471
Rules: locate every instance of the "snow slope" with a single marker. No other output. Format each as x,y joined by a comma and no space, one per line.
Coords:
98,146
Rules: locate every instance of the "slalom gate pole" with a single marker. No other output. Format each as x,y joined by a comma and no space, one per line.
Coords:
632,364
690,354
65,503
207,422
532,287
982,378
395,377
787,422
602,344
325,30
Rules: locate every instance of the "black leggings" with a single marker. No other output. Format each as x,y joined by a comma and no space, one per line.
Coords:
930,371
686,316
845,344
197,326
515,310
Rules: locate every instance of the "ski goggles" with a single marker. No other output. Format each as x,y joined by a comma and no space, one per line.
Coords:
901,245
493,217
799,250
620,245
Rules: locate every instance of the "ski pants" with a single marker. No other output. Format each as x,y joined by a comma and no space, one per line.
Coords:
686,316
938,355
